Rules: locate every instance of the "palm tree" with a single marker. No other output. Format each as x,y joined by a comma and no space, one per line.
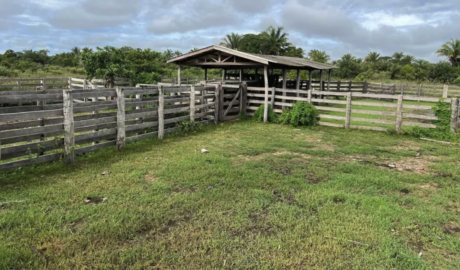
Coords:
275,41
75,51
232,41
407,60
319,56
397,57
452,51
372,57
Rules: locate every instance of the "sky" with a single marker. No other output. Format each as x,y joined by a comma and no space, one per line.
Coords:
416,27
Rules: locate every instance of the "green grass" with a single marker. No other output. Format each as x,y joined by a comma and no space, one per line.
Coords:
266,197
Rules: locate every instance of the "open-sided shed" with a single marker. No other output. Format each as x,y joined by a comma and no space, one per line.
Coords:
220,57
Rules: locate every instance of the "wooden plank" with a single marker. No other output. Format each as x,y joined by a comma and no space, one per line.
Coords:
327,116
327,124
374,112
29,98
30,131
417,107
142,136
372,104
177,119
332,109
370,120
141,91
69,138
94,147
108,134
161,104
328,101
92,93
369,128
121,132
26,162
30,148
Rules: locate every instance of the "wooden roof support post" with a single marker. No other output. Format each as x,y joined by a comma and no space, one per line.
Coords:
241,75
297,87
310,82
321,88
178,74
224,73
206,75
329,80
284,85
266,94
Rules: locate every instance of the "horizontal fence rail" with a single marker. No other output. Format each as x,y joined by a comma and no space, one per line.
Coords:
56,83
59,124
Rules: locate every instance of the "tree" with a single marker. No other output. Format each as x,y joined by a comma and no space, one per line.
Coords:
397,57
251,43
232,41
407,72
294,51
108,63
348,67
275,41
76,51
372,57
442,72
407,60
319,56
451,50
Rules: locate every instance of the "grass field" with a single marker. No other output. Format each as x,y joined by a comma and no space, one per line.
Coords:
265,197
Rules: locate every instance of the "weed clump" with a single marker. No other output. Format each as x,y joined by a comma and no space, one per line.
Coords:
259,114
302,114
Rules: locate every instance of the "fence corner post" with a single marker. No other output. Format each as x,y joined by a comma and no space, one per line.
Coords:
69,127
221,102
309,96
192,103
217,106
454,117
161,116
399,114
348,113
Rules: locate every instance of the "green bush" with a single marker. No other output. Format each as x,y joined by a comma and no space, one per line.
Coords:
302,114
259,114
442,131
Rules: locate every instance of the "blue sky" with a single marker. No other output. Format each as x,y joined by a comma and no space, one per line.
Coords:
417,27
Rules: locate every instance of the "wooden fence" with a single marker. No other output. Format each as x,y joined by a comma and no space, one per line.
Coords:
56,83
357,110
55,124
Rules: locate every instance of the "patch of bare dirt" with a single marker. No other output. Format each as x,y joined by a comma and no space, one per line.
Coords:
320,144
407,146
150,178
453,206
451,228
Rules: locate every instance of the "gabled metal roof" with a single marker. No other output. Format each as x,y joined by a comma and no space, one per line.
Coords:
270,60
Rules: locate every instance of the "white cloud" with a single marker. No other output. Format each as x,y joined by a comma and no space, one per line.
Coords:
373,21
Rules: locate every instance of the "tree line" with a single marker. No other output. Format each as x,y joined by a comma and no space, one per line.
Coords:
147,66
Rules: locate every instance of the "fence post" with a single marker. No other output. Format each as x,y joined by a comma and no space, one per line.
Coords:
454,116
192,103
402,89
309,96
273,97
121,131
69,82
349,86
217,106
161,116
69,126
420,90
348,114
41,104
365,86
445,91
244,98
399,114
221,102
338,86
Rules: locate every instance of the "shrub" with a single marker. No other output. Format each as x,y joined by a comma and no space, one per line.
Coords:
259,114
302,114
